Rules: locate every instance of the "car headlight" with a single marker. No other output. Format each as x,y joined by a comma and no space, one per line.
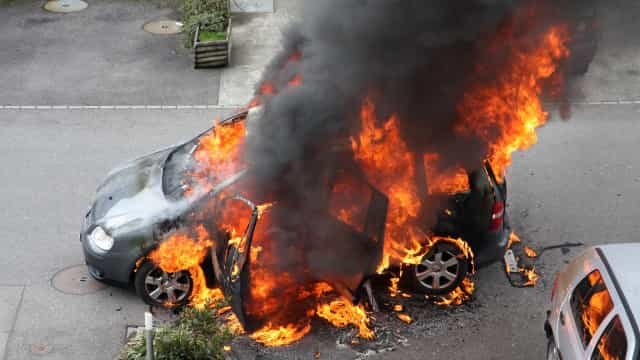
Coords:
100,241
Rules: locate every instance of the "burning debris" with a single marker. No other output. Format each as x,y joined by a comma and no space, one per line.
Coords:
361,138
520,272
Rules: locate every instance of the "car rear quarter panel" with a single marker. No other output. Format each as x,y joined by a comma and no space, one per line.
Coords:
566,336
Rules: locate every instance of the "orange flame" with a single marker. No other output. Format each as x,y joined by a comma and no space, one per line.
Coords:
219,154
530,252
271,335
295,81
393,288
390,167
448,181
341,312
459,295
529,273
598,305
404,318
513,239
267,88
510,104
180,252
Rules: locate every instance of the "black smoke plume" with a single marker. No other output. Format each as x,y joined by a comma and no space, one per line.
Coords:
412,58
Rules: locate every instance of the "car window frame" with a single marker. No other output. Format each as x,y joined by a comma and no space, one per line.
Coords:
621,306
599,334
240,116
577,322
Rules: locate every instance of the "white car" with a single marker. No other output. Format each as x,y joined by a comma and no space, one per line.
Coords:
595,302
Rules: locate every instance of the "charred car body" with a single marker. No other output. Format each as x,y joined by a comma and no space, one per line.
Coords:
143,201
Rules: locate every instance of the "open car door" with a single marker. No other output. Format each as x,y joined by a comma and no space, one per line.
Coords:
327,246
236,219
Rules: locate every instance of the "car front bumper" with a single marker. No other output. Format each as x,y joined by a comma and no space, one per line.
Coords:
114,267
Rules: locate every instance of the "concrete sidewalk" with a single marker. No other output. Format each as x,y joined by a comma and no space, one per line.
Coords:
99,56
256,38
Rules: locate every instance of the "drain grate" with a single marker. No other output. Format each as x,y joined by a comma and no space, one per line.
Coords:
65,6
76,280
163,27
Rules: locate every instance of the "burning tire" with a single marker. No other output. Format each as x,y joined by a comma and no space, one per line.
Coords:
157,287
440,271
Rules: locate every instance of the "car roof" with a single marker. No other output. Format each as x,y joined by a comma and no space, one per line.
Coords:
623,261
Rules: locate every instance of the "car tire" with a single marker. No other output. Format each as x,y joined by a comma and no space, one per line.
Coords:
440,271
553,353
157,287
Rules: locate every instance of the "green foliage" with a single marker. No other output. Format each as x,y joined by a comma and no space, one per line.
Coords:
210,36
196,335
211,15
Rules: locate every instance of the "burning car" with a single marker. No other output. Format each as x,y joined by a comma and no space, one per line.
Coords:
141,202
353,162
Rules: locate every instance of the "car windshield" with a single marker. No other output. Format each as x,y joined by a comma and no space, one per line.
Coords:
205,161
176,179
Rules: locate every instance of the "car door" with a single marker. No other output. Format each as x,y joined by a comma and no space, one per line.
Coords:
350,247
583,314
235,220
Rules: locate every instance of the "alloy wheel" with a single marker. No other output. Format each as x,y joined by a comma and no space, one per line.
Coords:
163,287
438,270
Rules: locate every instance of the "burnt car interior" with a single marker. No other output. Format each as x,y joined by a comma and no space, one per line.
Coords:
355,243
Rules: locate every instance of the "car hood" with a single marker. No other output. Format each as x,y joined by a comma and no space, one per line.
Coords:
132,192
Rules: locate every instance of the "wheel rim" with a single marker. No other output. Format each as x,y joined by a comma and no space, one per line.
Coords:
163,287
438,270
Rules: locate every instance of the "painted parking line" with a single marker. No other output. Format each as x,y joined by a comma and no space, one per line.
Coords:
231,106
118,107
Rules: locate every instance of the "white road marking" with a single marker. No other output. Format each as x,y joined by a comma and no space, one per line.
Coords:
118,107
217,107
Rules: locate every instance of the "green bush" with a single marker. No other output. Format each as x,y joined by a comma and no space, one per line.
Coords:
196,335
211,15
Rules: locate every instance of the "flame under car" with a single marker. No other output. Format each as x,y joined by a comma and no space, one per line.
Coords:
141,203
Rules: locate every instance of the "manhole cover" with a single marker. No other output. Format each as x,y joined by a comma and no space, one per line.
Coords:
65,6
163,27
76,280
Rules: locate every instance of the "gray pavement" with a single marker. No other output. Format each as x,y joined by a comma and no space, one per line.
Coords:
256,39
100,56
579,183
52,163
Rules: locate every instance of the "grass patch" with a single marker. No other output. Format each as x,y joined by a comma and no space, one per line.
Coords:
205,36
198,334
212,16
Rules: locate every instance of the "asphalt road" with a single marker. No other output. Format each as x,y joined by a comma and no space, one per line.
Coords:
52,162
579,183
100,56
